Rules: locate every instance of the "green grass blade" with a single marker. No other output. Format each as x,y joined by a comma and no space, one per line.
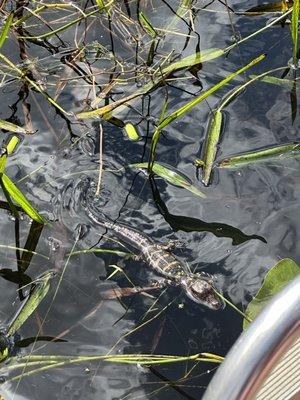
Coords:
38,291
193,59
294,30
274,80
6,29
182,110
171,176
103,7
210,145
3,160
146,24
21,200
156,135
278,153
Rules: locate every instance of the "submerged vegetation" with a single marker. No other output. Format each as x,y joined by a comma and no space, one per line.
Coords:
125,90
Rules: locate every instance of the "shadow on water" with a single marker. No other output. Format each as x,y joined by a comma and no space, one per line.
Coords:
188,224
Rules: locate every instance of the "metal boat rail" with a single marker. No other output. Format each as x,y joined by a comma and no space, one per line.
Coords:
264,363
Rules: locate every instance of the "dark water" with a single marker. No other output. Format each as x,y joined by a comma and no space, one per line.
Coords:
62,158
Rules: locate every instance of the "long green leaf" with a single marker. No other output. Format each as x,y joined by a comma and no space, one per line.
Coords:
272,153
171,176
156,135
193,59
3,160
182,110
275,280
6,28
294,30
21,200
38,291
274,80
210,146
147,25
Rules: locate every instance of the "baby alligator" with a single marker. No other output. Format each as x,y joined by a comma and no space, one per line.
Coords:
198,288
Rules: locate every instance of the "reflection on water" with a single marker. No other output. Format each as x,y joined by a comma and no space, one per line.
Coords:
246,223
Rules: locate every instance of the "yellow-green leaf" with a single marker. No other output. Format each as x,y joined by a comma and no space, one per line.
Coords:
6,29
21,200
39,289
131,132
11,145
275,280
9,126
147,25
271,153
170,175
210,145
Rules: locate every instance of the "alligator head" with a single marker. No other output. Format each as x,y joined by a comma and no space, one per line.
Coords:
201,291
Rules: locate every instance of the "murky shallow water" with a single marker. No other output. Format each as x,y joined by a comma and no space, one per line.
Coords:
258,200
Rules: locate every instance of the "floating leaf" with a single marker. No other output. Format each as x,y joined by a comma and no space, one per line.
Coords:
38,291
131,132
210,145
275,280
8,126
171,176
21,200
272,153
6,28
